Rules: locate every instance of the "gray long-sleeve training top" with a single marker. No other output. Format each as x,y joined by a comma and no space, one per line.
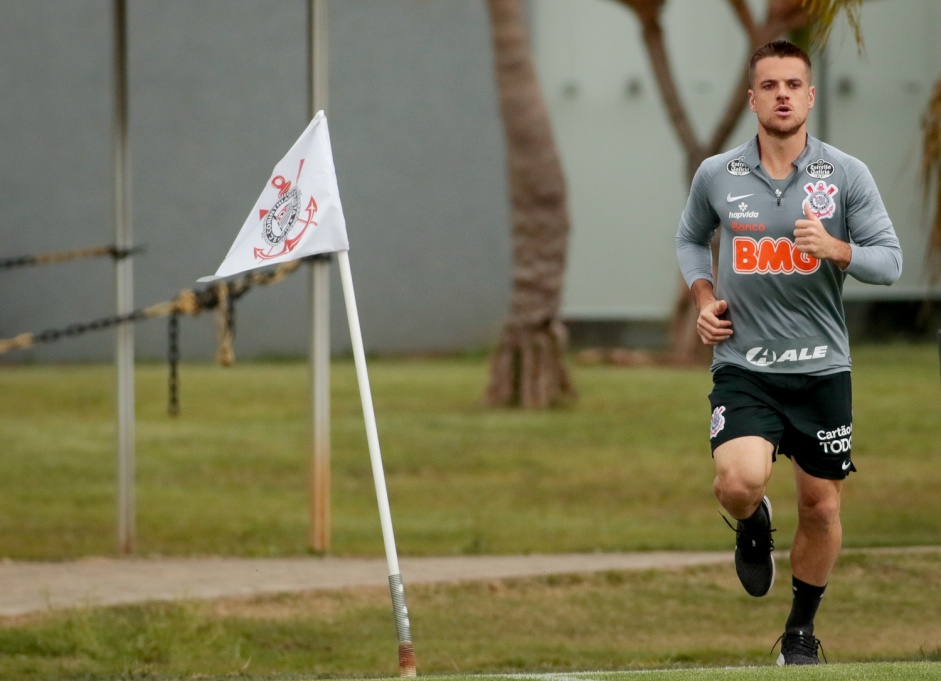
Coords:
786,308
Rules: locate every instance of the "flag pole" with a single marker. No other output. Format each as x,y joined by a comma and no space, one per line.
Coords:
319,508
397,588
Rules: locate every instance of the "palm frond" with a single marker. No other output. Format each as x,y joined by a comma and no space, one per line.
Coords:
823,13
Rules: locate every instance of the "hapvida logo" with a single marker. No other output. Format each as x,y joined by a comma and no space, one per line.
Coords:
743,212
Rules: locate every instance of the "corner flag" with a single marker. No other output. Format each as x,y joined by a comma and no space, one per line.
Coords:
298,213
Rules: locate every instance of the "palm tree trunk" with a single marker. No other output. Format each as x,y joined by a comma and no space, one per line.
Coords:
528,367
931,177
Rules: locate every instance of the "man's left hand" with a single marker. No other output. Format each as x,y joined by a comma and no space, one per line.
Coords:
812,238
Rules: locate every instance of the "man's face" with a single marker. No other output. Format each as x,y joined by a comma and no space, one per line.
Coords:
781,95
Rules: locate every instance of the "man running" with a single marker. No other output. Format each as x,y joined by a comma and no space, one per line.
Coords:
795,217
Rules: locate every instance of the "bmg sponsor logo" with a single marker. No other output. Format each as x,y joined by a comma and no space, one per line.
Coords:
770,256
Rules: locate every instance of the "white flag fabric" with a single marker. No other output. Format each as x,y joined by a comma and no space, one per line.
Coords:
298,213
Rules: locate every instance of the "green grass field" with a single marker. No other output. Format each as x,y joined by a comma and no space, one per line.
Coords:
881,608
625,468
900,671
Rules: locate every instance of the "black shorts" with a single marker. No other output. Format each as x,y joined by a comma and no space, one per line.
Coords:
807,418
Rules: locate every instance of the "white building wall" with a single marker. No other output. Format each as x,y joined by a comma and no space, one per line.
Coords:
625,168
876,102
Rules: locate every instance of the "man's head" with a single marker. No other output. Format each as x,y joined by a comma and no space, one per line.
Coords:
780,94
780,49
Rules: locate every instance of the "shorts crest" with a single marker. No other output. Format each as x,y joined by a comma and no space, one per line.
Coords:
717,423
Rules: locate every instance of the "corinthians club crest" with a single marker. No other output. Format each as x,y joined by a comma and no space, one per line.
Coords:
820,199
284,217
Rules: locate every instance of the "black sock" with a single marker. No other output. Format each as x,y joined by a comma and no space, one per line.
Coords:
757,521
804,606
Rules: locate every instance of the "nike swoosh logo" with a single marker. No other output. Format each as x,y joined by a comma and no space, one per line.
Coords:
731,198
846,465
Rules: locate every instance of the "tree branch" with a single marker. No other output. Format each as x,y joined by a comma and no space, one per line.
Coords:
648,12
743,14
931,177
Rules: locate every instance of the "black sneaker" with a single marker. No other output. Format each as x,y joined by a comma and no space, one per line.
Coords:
754,563
799,648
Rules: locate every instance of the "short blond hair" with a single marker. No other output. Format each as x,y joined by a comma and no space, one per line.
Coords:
776,48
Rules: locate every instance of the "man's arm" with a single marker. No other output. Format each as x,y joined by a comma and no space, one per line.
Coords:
876,253
694,252
698,223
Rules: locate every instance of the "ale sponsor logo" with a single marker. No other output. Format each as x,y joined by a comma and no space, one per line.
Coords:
779,352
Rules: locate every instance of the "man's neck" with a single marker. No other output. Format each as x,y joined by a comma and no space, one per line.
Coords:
778,154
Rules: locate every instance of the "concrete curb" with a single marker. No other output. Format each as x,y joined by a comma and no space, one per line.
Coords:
34,587
31,587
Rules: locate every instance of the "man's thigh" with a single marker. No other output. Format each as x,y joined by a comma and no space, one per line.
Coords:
818,493
743,407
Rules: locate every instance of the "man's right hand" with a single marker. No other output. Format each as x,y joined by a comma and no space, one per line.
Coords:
711,327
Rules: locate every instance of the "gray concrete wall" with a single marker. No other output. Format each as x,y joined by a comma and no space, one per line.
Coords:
218,94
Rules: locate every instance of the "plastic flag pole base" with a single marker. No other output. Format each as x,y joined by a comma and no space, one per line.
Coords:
402,626
407,660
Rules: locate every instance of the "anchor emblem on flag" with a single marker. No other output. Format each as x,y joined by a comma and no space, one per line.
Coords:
279,220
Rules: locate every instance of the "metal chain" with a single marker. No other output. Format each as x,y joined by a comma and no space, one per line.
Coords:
173,358
188,302
66,256
79,328
230,316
